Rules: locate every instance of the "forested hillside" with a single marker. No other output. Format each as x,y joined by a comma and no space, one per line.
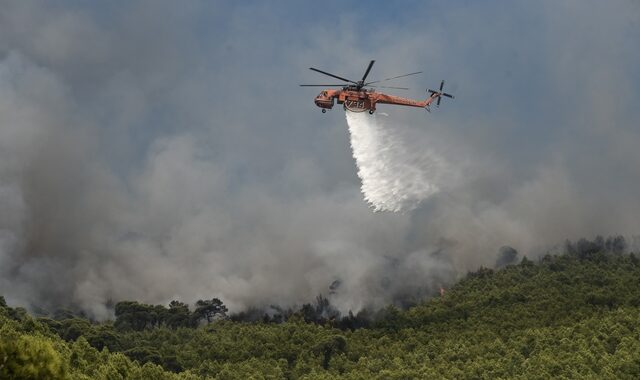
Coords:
575,315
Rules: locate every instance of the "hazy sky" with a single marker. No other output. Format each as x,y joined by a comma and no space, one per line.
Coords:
154,150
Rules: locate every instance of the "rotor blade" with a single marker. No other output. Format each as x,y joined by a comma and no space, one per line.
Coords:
399,76
395,88
331,75
448,95
322,85
439,99
368,69
441,85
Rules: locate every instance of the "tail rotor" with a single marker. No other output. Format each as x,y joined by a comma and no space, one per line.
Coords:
440,94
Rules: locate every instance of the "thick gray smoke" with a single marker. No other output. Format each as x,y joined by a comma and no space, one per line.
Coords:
157,151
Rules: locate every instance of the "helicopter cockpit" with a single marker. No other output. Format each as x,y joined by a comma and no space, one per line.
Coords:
324,100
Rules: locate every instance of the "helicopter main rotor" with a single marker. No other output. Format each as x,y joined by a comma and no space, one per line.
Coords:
359,85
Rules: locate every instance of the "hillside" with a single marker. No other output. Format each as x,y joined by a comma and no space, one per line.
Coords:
575,315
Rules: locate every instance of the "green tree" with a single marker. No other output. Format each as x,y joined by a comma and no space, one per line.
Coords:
210,310
30,357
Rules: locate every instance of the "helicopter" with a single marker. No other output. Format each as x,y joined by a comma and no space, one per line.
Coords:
361,96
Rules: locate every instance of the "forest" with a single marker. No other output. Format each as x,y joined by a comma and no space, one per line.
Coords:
569,315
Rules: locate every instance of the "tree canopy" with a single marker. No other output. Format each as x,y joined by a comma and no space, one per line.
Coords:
575,315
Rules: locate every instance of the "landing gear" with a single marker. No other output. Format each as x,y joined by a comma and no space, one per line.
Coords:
370,112
324,110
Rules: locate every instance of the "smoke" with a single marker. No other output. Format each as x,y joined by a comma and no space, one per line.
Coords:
398,170
155,152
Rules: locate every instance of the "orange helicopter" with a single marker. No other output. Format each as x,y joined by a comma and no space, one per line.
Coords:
360,96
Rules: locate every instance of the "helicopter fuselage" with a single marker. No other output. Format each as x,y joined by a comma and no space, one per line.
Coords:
360,100
359,96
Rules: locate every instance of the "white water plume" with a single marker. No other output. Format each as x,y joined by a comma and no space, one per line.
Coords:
397,170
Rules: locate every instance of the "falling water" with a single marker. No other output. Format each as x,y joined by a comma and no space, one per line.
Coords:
397,172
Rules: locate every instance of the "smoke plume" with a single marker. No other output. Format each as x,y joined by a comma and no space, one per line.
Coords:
161,150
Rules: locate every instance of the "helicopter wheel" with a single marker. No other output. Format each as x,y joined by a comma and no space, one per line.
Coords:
324,110
370,112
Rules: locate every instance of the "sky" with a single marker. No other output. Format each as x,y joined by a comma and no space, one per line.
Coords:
159,150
